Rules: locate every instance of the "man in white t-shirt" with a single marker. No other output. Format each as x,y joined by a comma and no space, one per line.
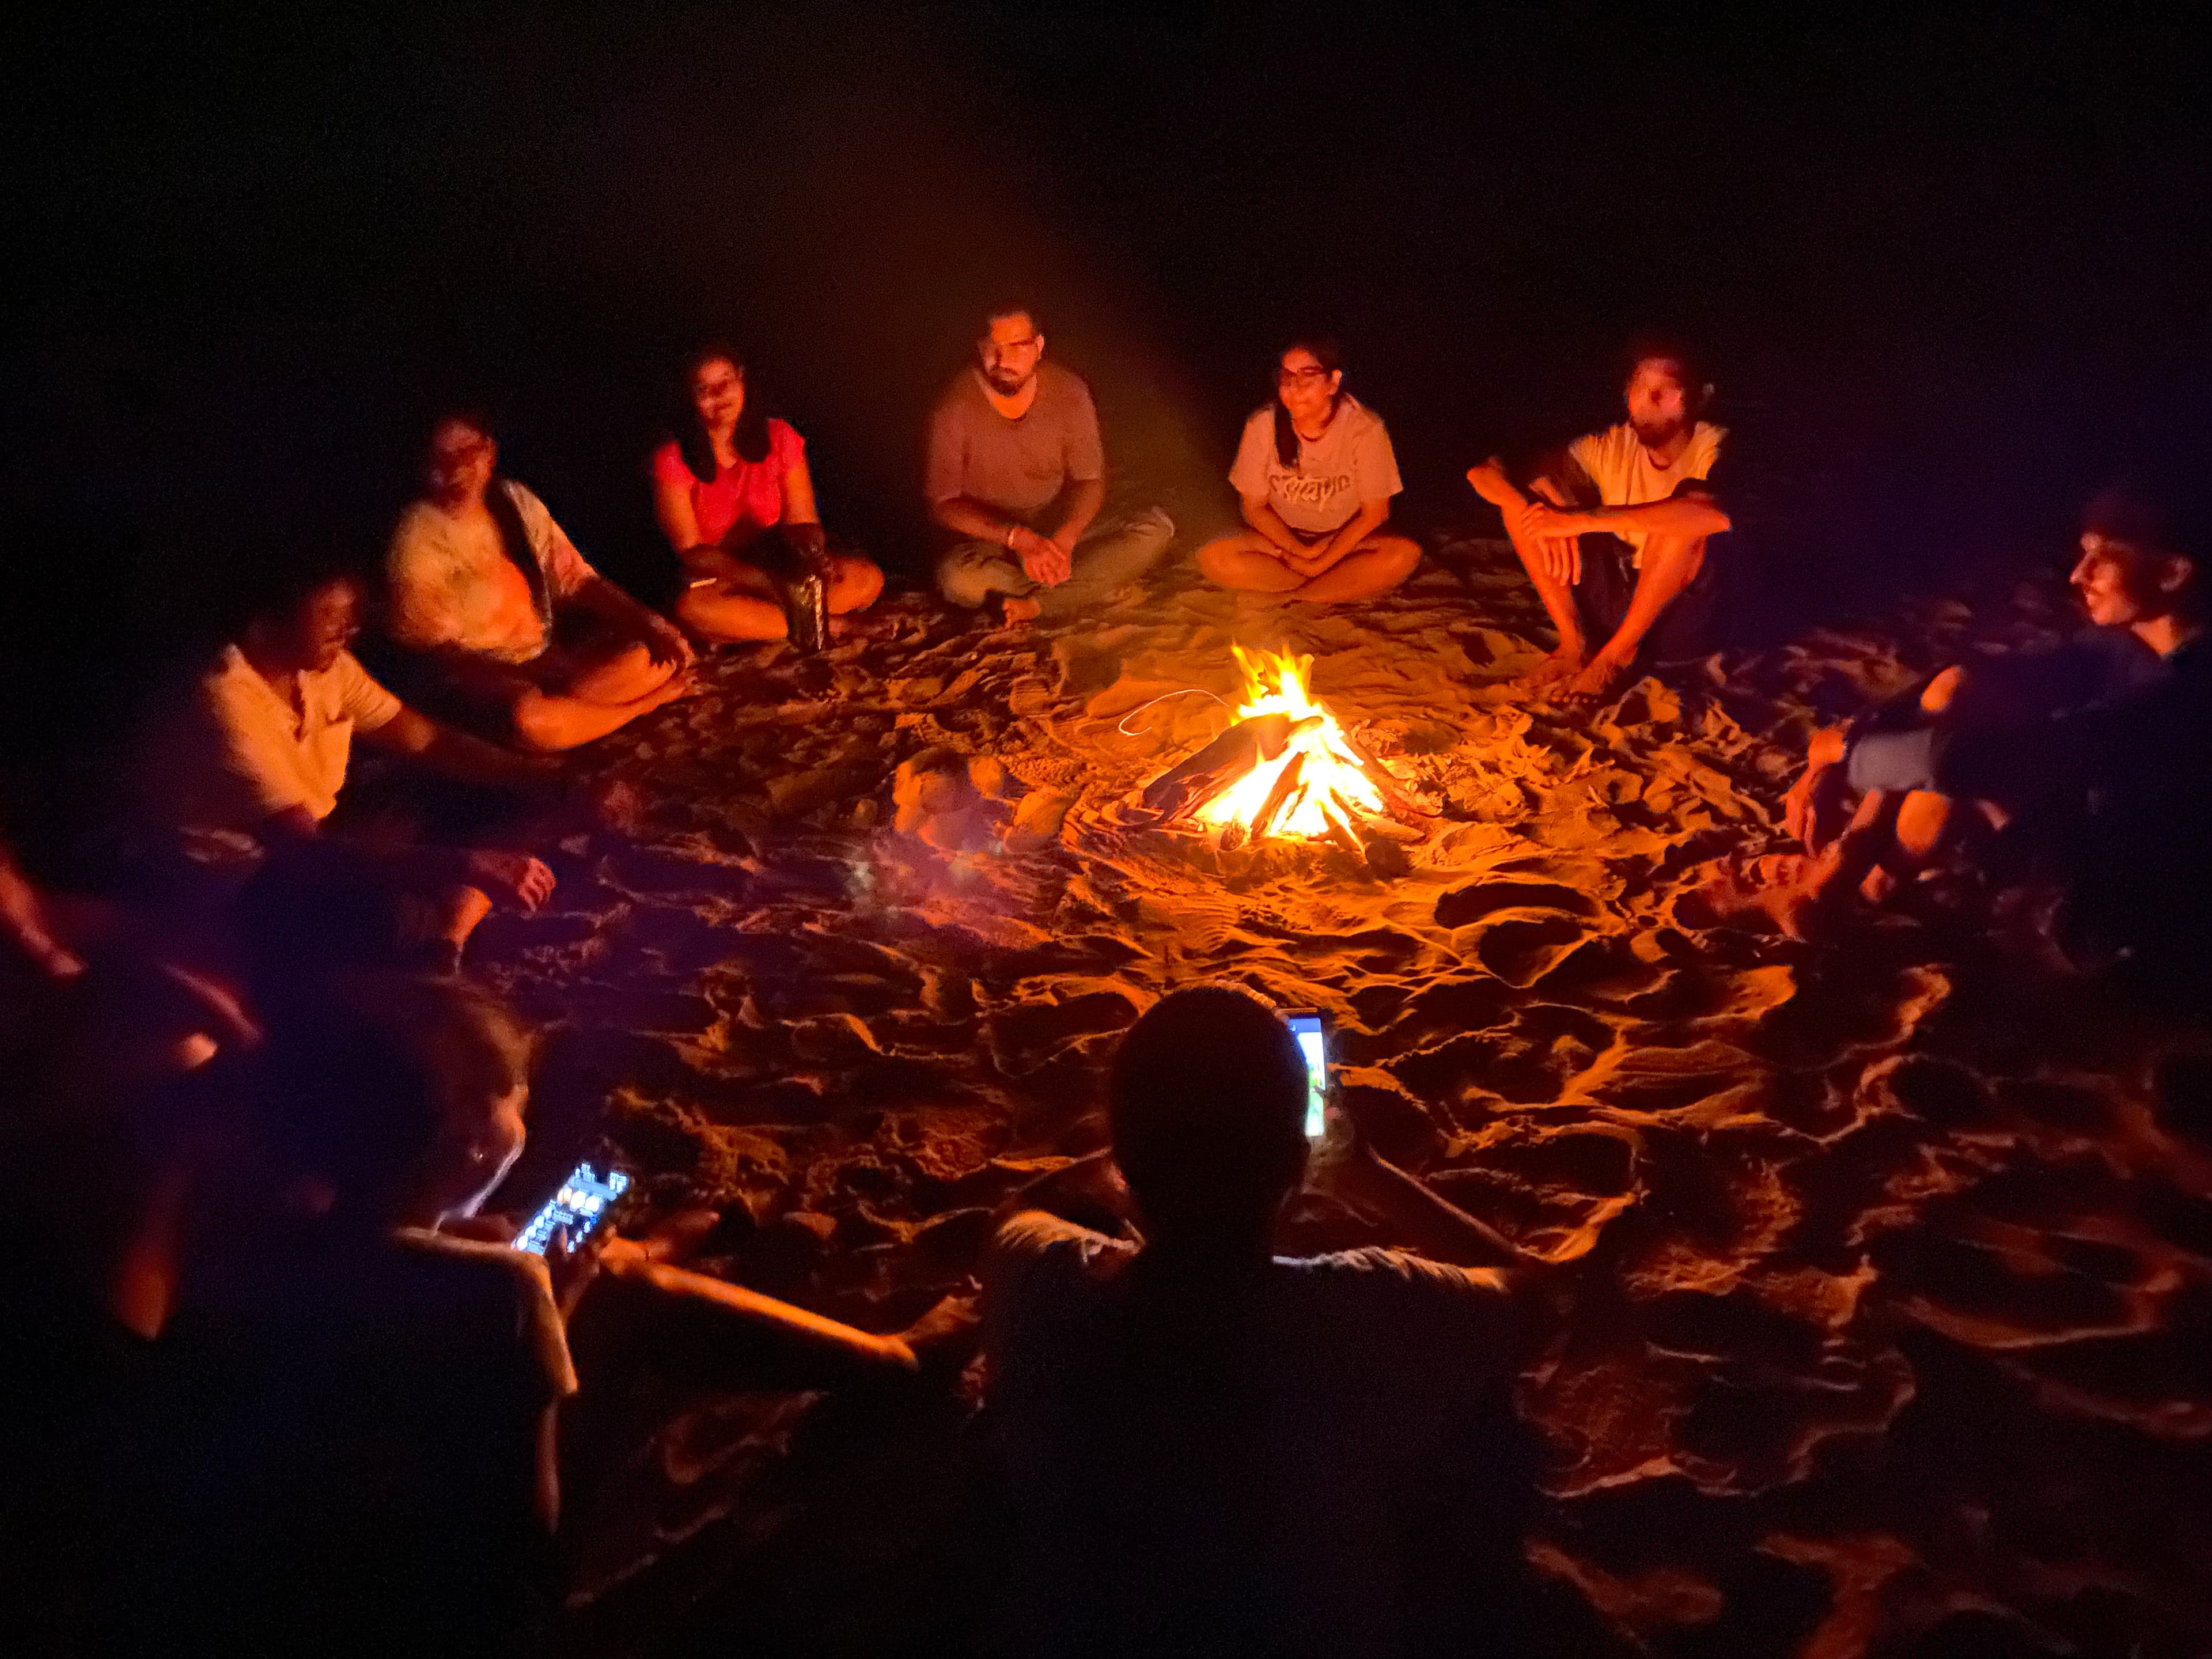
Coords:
1209,1447
239,779
1616,530
1315,474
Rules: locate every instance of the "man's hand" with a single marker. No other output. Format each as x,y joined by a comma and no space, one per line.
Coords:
514,876
1815,801
1043,560
1557,536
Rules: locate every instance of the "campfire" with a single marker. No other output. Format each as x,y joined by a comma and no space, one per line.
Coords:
1286,768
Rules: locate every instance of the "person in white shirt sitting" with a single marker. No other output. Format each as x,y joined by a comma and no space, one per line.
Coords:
1313,474
237,782
1616,530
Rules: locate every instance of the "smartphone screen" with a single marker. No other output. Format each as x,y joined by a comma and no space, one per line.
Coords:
580,1206
1305,1026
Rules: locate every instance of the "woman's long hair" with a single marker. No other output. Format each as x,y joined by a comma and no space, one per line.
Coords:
1330,355
750,440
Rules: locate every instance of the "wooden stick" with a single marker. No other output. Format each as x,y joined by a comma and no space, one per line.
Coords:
1285,781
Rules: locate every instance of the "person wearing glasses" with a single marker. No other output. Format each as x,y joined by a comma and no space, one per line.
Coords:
1315,474
1016,477
488,591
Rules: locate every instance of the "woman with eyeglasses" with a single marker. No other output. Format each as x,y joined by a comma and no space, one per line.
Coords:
1314,473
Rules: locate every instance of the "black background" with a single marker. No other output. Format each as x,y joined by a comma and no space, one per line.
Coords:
1950,274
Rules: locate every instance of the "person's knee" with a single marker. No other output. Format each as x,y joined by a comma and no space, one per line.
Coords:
1676,559
1220,561
1922,818
1944,690
1396,557
854,583
540,725
964,580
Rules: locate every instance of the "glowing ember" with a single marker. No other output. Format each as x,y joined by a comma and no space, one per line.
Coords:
1322,778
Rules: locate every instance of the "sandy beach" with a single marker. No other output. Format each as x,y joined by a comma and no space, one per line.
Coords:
1891,1331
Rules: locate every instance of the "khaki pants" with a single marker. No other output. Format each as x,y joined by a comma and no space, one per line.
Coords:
1118,550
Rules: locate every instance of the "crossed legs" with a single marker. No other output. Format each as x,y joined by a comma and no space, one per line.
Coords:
743,605
1670,564
574,696
1246,560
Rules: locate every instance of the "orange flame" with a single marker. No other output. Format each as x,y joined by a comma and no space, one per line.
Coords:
1330,774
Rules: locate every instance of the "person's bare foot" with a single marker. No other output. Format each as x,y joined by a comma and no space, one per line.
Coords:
1597,677
1020,613
681,683
1562,664
1784,894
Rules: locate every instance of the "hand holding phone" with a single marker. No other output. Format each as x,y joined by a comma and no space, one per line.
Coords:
580,1206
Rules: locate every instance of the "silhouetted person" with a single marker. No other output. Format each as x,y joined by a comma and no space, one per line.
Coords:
735,498
1313,474
360,1452
1016,472
2100,751
1615,530
484,581
1210,1449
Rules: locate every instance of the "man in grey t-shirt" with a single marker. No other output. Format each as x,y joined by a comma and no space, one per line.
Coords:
1017,472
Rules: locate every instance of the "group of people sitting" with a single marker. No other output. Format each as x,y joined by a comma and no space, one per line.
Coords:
264,1112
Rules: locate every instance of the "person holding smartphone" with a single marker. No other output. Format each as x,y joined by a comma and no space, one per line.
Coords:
1207,1445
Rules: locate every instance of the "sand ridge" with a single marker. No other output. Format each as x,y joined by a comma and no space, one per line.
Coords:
1892,1312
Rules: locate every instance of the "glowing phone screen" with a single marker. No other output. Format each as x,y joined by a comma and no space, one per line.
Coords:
1306,1027
580,1206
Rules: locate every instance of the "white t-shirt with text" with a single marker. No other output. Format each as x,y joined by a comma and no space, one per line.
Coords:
1625,476
1351,463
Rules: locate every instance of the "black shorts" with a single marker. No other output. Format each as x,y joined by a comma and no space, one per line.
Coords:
1687,629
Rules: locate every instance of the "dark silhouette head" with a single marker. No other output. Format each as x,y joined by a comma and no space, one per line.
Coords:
1208,1117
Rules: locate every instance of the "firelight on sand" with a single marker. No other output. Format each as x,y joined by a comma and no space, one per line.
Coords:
1323,777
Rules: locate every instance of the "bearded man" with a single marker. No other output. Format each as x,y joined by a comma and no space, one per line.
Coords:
1016,475
1615,530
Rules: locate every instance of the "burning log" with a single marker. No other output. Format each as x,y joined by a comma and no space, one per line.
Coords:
1285,782
1182,790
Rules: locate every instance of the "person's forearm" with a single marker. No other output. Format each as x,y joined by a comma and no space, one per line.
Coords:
1436,1226
1363,524
1082,508
1263,518
965,518
719,1298
1678,515
614,606
472,760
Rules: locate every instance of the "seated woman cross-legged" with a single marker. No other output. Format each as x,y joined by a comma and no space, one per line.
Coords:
1314,473
736,501
486,583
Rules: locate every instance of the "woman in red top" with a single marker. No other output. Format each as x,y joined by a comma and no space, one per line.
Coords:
734,478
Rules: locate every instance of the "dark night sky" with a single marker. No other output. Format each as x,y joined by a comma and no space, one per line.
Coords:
1950,274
